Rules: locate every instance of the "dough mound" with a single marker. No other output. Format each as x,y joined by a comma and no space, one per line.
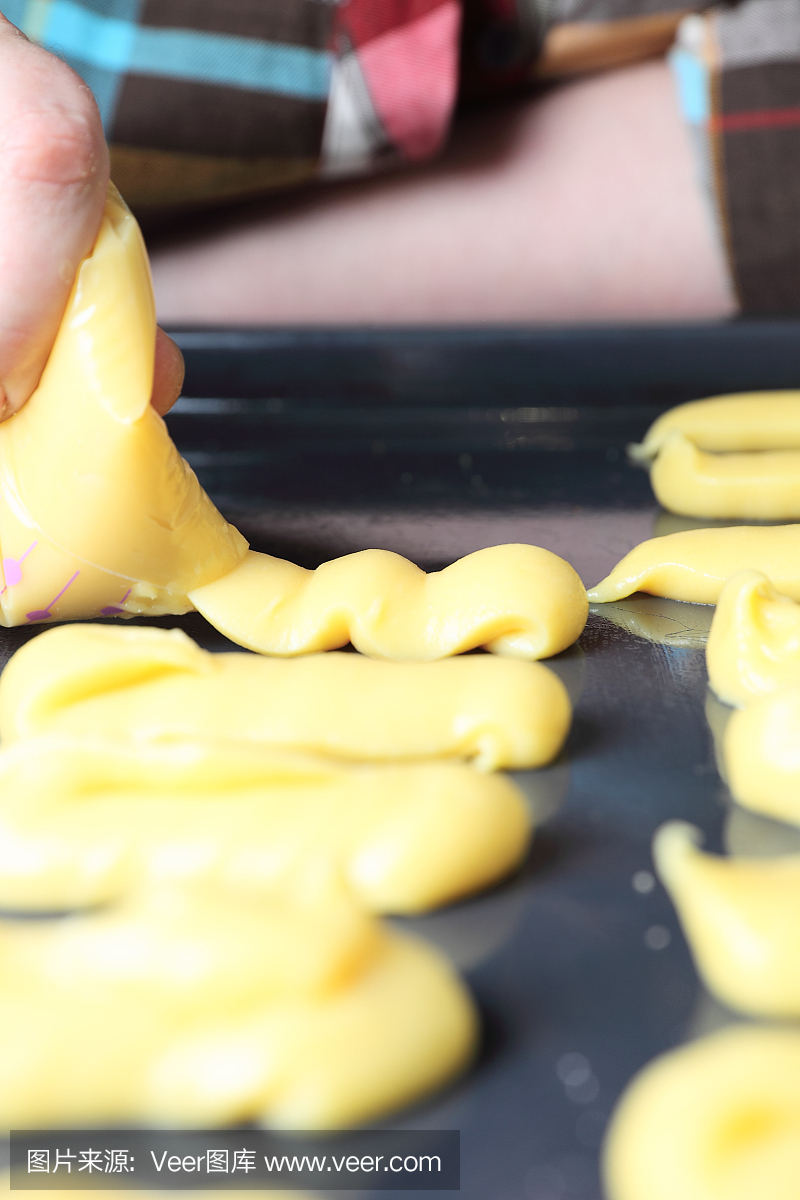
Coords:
741,917
297,1010
718,1119
85,820
754,644
761,759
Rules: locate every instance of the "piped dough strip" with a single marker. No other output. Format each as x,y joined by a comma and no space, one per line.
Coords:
695,565
737,422
179,1009
100,516
516,600
756,486
83,821
151,683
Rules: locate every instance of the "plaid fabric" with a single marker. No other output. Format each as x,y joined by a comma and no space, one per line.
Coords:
208,100
739,81
204,100
212,100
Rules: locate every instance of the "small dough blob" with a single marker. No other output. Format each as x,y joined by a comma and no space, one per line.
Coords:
298,1011
153,683
754,644
762,486
516,600
695,565
741,917
718,1119
762,755
82,821
741,421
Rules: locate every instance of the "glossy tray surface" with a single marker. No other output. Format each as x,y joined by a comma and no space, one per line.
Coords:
437,443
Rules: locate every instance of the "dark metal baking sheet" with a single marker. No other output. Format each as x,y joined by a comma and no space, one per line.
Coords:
435,443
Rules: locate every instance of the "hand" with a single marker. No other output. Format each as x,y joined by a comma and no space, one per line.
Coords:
53,177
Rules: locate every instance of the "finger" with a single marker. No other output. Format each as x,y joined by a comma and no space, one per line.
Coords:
168,374
53,176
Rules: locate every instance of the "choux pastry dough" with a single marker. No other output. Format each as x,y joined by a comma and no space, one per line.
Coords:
519,601
740,421
299,1011
151,683
762,486
695,565
741,917
84,820
754,644
762,755
717,1119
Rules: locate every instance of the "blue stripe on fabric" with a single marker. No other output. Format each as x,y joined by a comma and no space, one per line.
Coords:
104,84
102,41
691,77
117,45
238,62
36,13
123,10
14,10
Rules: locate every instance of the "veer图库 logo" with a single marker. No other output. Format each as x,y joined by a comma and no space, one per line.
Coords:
140,1159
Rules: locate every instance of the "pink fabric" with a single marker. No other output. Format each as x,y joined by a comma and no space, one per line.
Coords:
412,74
365,20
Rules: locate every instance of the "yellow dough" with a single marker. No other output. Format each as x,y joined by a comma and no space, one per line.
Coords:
200,1010
762,486
754,644
99,515
515,600
742,421
696,564
97,509
717,717
718,1119
84,820
762,755
741,917
148,683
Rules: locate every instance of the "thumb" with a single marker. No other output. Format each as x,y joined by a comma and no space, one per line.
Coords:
53,176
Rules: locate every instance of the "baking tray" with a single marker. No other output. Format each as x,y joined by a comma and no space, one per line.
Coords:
435,443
